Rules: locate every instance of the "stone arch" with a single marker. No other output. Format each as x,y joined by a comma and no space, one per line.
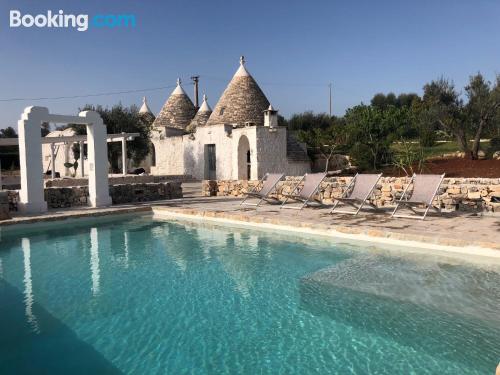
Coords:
244,157
30,156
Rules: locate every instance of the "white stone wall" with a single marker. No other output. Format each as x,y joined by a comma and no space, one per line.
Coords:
195,152
169,153
271,154
185,154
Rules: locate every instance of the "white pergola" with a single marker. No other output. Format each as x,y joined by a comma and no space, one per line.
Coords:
81,140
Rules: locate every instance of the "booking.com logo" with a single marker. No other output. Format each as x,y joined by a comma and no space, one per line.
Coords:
79,22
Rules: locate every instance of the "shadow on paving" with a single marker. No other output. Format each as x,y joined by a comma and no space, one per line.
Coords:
55,349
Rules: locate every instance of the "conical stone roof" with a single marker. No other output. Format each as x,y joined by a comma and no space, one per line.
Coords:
201,117
178,110
241,102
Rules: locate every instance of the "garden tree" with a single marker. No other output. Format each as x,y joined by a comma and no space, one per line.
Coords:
309,120
120,119
406,100
423,123
480,114
482,108
398,121
328,142
9,155
382,101
8,132
370,132
441,102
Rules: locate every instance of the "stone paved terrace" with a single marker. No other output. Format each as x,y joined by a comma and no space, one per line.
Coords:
466,231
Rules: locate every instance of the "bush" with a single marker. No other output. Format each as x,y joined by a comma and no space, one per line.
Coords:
360,154
364,158
427,138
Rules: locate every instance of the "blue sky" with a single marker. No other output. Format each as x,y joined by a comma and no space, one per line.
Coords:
293,49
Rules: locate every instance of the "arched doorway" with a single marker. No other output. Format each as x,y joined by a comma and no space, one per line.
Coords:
244,159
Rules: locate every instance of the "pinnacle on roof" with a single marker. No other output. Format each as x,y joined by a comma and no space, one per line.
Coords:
144,108
204,106
242,71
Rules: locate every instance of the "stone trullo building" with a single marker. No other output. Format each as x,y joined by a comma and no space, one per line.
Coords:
239,139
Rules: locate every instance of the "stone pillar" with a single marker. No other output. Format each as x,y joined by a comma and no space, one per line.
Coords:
97,151
31,195
82,160
124,155
52,162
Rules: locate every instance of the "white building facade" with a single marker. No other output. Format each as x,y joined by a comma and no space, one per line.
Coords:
239,139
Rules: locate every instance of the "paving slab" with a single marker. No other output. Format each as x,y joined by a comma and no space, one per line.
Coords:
457,229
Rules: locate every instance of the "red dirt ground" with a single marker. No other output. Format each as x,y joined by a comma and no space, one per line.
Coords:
457,167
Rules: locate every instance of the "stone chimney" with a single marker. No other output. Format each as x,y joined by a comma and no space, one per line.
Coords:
271,117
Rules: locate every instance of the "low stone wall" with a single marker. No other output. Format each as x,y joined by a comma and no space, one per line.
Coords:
116,180
59,197
455,194
4,205
129,193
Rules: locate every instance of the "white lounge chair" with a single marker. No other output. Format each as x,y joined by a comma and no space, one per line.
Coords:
269,183
425,188
311,185
357,193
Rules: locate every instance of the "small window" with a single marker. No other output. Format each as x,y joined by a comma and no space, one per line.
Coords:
221,112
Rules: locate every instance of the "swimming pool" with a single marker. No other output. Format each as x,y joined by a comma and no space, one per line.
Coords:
140,296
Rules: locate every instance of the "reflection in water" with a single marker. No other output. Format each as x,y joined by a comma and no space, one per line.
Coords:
94,261
238,261
174,250
236,252
1,268
29,298
126,247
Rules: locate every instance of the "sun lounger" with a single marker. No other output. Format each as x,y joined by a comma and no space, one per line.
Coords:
311,182
269,183
357,193
425,188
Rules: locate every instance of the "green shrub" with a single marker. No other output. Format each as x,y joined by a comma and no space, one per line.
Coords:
427,138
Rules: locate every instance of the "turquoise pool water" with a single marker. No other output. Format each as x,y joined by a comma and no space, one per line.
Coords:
138,296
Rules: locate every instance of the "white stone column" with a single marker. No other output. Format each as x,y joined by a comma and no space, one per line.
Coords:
97,151
82,160
52,162
31,195
124,155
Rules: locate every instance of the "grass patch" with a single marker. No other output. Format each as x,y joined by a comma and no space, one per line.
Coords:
440,148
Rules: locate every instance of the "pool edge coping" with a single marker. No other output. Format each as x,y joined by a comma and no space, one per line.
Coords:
339,232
